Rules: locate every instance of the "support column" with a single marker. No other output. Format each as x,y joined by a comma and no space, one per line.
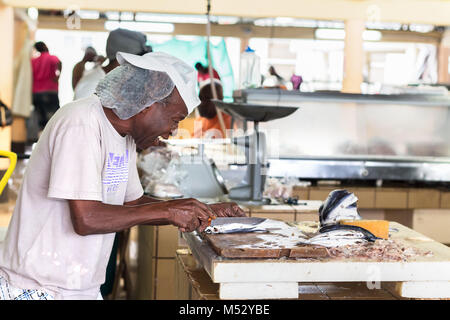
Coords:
6,78
244,44
443,57
353,56
18,128
6,83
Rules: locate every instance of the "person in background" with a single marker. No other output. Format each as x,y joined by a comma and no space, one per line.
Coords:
82,185
46,70
208,122
79,70
274,80
203,72
208,119
122,40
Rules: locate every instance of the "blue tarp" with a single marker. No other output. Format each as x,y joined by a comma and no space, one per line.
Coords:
196,51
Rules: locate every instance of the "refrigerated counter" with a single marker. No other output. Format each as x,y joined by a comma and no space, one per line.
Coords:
344,136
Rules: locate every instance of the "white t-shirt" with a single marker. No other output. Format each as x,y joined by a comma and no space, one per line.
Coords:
79,156
88,82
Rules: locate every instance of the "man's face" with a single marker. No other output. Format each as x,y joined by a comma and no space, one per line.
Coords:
159,120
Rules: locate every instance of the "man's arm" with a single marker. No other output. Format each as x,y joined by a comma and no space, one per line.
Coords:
94,217
77,73
142,200
58,71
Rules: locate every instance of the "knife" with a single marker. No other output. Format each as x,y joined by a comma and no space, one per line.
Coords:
235,225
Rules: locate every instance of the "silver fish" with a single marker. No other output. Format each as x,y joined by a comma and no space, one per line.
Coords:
340,235
339,205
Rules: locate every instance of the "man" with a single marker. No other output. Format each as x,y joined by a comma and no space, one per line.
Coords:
46,71
82,185
84,84
123,40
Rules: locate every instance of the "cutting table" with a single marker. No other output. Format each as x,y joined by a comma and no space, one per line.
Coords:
425,276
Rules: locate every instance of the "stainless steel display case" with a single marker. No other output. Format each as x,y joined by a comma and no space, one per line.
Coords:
354,136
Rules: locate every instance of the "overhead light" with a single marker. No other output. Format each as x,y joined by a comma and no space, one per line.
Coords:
172,18
112,15
330,34
330,24
292,22
423,28
339,34
127,16
227,20
140,26
148,17
88,14
383,25
372,35
264,22
305,23
33,13
284,21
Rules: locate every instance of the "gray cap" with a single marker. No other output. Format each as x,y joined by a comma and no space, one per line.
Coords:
126,41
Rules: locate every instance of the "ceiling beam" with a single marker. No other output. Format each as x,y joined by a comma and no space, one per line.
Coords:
242,30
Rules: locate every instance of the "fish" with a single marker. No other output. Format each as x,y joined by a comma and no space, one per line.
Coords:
339,205
368,235
340,235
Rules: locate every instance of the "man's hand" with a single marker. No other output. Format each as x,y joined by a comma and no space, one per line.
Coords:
189,214
158,143
227,209
99,59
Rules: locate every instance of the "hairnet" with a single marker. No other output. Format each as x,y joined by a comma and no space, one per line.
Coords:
126,41
183,76
127,89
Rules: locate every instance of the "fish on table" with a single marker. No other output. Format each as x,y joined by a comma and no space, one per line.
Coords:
340,235
340,205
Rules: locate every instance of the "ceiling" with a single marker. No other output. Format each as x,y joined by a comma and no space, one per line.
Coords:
436,12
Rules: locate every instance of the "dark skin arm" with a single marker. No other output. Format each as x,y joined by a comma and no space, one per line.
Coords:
142,200
221,209
77,73
94,217
78,70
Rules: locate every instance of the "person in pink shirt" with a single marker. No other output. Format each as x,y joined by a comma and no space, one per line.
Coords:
46,71
203,72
